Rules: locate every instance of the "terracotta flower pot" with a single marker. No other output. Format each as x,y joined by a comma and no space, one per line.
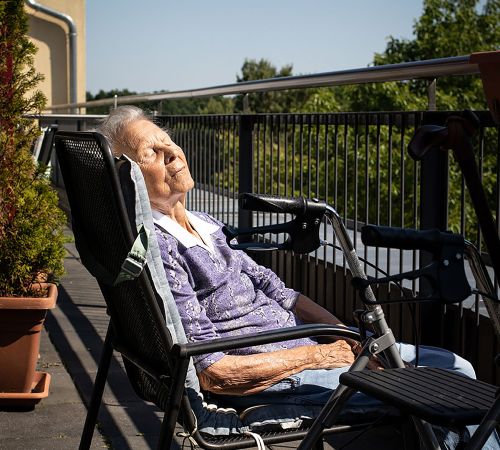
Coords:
21,320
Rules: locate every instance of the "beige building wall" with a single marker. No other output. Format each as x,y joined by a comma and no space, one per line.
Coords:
51,36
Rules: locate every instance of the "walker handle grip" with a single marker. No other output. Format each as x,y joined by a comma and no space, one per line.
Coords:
271,203
408,239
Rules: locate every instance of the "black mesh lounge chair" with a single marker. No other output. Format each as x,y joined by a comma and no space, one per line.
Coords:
108,201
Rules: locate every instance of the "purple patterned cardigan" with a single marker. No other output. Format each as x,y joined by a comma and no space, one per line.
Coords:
222,292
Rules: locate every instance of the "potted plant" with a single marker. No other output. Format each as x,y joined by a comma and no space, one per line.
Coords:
31,223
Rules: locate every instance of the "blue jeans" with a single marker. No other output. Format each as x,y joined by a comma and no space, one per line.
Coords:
305,393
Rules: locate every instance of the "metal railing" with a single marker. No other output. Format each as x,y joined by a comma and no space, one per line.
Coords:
428,69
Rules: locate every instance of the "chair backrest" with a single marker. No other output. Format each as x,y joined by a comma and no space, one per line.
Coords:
103,234
107,197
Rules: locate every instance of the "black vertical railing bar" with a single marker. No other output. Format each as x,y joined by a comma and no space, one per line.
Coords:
205,156
208,164
294,148
195,124
268,153
286,160
258,165
325,236
270,119
264,159
355,180
222,165
235,164
218,163
402,187
301,177
294,176
202,127
415,205
433,214
480,157
275,139
274,165
192,162
278,154
278,174
316,194
389,195
212,164
226,171
301,155
206,159
229,203
177,133
192,152
309,156
378,187
246,160
367,182
188,130
345,211
198,143
335,179
309,126
286,193
177,125
497,194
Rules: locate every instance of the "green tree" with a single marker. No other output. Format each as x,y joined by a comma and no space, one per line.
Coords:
445,28
269,102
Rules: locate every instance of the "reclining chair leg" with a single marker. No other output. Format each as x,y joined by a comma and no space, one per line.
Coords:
96,398
172,410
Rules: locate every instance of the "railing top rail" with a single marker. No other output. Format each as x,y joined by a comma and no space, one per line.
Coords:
431,68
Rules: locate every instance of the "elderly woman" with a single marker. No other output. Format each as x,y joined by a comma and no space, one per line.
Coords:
222,292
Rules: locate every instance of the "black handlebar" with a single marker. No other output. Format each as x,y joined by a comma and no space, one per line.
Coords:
303,230
445,273
272,203
408,239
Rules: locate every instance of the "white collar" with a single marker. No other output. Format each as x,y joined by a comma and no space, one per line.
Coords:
204,229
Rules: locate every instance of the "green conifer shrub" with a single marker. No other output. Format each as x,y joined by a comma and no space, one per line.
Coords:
31,223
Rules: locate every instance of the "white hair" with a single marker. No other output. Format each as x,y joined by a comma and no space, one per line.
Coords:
113,124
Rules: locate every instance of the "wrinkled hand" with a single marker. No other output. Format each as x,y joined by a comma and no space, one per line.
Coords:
334,355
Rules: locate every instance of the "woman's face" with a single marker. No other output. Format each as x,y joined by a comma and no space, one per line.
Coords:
162,163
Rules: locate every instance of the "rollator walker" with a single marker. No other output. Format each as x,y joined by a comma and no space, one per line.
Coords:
460,401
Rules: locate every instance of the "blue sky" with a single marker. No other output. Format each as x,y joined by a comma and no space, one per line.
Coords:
153,45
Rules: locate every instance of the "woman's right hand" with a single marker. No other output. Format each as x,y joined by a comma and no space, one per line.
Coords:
333,355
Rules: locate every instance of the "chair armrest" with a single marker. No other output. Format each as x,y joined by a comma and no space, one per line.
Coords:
266,337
